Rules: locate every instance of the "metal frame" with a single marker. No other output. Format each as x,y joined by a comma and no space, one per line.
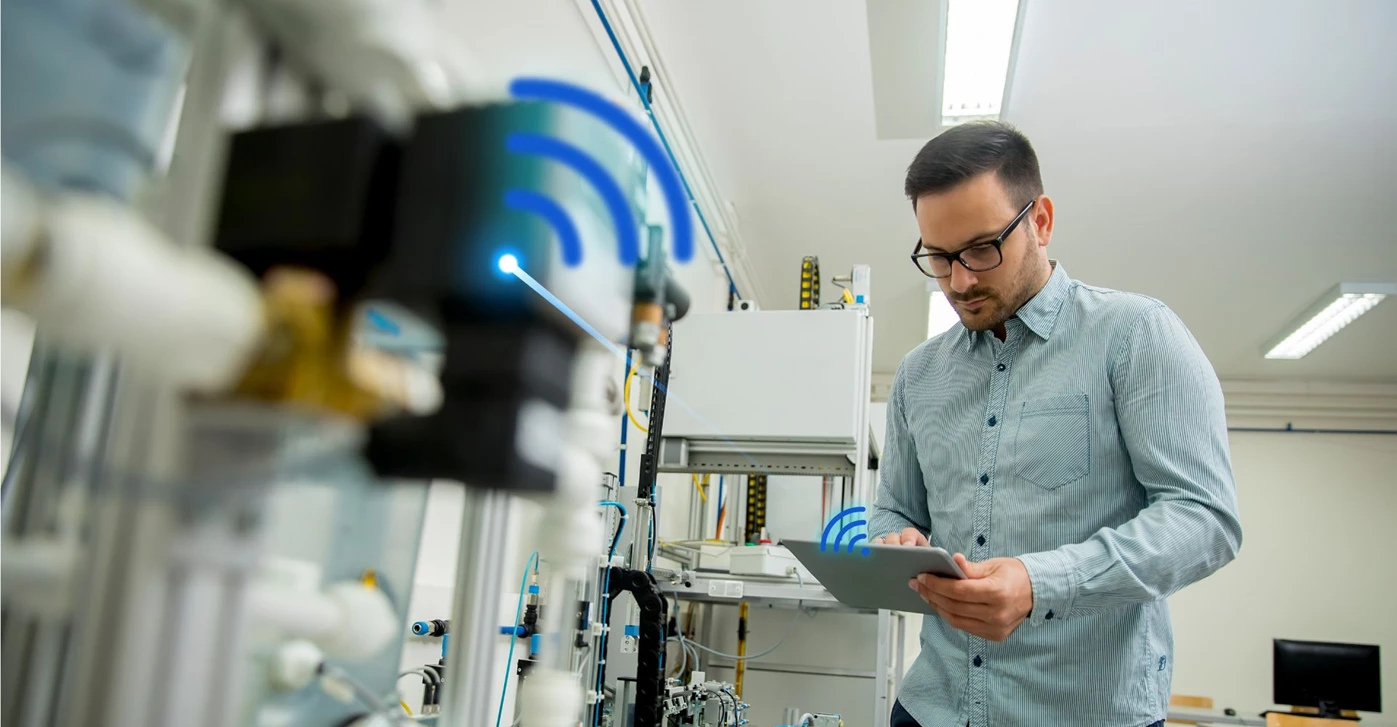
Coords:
890,654
470,665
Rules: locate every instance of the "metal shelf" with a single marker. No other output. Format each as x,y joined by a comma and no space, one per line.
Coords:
732,589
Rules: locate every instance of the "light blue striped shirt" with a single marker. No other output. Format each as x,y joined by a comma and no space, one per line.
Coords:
1090,443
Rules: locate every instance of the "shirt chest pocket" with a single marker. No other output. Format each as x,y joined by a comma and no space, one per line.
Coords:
1052,446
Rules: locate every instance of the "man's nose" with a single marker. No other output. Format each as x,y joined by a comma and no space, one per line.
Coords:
961,278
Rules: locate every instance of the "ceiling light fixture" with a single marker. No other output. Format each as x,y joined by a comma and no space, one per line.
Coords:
1342,305
981,37
941,315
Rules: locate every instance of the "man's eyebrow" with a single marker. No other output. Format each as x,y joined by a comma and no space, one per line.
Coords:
977,239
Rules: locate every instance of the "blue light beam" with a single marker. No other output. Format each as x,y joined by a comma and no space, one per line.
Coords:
620,354
562,307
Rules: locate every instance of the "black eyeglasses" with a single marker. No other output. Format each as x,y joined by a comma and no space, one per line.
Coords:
976,258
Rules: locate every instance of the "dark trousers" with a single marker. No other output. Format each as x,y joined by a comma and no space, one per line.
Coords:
901,718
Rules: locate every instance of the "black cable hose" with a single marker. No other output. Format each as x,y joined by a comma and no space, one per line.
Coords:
650,668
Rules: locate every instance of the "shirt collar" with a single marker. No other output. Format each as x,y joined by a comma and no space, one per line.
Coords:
1039,314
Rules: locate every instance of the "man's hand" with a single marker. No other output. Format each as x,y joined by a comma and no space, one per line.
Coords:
991,603
908,536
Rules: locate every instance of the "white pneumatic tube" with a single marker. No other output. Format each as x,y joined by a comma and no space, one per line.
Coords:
570,538
95,275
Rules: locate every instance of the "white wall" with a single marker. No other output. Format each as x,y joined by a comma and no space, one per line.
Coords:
1317,563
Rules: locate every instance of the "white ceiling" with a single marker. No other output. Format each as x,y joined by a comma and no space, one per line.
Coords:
1234,159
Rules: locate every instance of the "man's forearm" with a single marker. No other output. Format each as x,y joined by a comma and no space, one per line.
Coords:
1169,545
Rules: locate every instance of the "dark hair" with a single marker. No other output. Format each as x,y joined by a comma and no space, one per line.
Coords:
969,150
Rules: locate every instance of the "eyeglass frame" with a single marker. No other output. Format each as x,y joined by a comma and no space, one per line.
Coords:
955,257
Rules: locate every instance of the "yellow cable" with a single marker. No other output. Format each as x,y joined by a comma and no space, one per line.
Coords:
405,707
699,487
626,394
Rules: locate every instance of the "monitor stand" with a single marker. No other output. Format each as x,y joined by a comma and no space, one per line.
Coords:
1330,710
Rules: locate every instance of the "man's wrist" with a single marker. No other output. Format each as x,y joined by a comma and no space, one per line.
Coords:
1054,586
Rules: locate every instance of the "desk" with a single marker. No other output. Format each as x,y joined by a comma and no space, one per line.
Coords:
1213,716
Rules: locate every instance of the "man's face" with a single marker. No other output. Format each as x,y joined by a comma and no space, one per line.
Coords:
976,212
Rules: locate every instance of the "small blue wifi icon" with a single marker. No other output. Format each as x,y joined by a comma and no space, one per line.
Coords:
615,198
834,547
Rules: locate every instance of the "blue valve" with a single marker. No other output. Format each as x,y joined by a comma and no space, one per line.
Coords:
421,628
517,632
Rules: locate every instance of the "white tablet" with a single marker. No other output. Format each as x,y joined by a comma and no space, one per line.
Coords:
878,579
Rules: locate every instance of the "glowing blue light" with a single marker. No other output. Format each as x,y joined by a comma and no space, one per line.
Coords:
509,264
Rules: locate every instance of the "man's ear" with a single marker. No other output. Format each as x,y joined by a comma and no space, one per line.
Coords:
1042,216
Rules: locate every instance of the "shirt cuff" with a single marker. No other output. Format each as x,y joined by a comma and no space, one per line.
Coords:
1054,586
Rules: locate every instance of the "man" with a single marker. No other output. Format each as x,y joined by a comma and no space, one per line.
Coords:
1067,442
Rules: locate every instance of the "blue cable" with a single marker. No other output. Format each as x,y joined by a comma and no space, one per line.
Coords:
605,597
650,562
625,430
619,528
720,503
645,101
518,613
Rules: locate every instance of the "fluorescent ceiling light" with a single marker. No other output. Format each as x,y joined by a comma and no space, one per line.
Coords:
979,43
1339,307
940,315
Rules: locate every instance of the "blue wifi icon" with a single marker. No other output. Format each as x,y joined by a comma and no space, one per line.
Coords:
826,545
627,231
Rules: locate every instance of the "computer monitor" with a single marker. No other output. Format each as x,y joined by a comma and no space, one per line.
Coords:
1332,677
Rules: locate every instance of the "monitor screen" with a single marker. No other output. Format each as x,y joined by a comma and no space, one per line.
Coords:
1341,676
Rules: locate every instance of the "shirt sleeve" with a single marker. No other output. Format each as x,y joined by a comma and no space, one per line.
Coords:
901,501
1169,407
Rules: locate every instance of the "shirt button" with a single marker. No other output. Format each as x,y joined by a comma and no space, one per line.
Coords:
977,661
985,479
1000,367
1048,616
994,421
980,540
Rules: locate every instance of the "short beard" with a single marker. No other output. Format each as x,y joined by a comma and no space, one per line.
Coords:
1024,287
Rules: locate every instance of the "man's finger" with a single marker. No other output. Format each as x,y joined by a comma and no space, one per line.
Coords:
993,614
913,536
968,625
970,568
977,611
970,591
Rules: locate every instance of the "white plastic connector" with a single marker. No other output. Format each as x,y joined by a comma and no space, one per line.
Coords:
594,432
599,628
101,277
367,622
296,664
350,621
570,533
698,678
550,698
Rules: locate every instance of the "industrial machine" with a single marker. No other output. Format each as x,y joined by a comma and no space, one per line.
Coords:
289,261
